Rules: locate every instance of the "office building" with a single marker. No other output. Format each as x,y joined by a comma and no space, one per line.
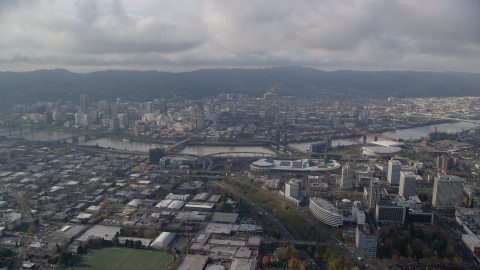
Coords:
358,215
155,154
447,191
114,107
375,191
150,108
394,168
47,118
102,105
293,188
162,106
366,240
84,101
407,184
79,116
390,212
325,212
346,182
119,101
200,116
87,119
123,120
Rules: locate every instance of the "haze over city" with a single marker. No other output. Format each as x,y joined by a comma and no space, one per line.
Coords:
239,135
90,35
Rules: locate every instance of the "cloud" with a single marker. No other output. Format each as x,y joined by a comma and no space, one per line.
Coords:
177,35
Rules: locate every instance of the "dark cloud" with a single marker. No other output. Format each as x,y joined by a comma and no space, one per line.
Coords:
190,34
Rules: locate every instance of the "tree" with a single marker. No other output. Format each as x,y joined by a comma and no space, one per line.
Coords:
63,258
32,229
80,249
104,204
265,260
59,250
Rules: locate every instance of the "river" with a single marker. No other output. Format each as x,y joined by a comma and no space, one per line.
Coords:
416,132
207,150
406,134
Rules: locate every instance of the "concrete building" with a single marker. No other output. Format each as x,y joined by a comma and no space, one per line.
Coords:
193,262
366,240
348,176
472,242
293,188
407,184
447,191
358,214
393,175
325,212
390,212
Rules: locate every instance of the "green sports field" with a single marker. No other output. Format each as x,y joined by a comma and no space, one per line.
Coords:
125,259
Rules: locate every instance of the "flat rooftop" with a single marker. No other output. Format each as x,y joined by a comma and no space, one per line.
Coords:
224,217
100,231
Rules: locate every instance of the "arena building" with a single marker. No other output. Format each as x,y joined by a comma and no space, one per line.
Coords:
294,166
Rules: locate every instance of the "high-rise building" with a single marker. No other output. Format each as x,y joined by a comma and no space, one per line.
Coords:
47,117
123,120
162,106
366,240
84,101
375,192
447,191
79,118
119,101
407,184
358,214
200,116
394,168
102,105
293,188
114,110
150,108
348,177
87,119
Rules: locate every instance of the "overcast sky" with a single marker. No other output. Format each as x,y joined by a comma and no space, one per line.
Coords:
181,35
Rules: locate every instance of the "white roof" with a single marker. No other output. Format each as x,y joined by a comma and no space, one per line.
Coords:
382,150
175,205
163,204
163,240
388,143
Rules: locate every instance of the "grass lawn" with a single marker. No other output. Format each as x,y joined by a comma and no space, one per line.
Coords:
125,258
117,204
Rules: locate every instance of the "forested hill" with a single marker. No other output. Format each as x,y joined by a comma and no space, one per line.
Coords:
62,84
